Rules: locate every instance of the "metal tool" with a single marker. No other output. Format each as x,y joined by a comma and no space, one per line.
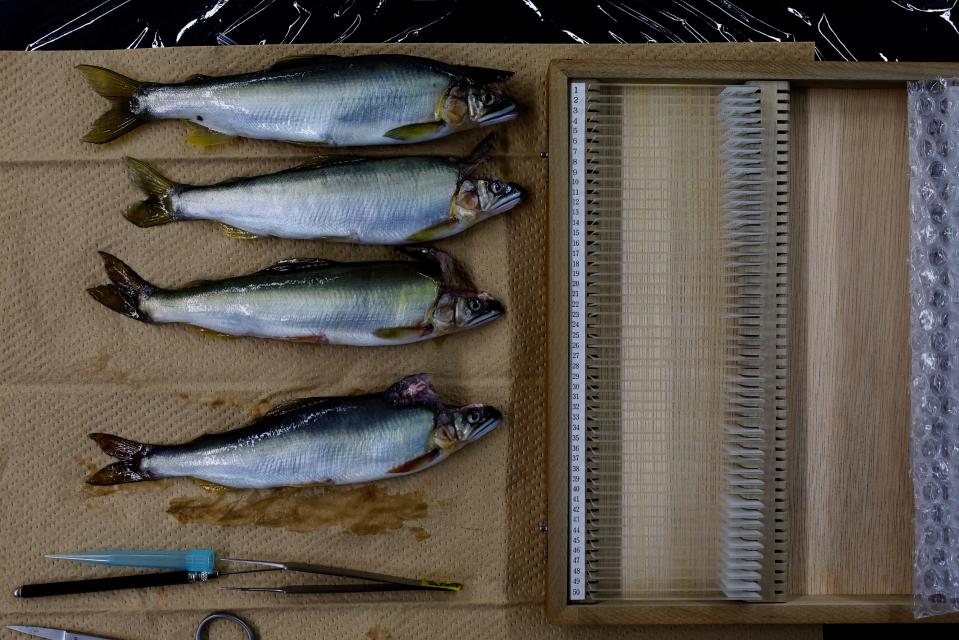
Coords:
378,581
63,634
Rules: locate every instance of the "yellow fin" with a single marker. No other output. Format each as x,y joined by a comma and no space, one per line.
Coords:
414,132
237,234
203,137
437,231
210,333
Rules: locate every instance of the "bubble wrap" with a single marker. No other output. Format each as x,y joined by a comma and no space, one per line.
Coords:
934,287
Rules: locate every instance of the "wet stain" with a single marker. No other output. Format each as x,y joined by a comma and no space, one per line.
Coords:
99,367
86,464
378,633
420,533
363,510
91,491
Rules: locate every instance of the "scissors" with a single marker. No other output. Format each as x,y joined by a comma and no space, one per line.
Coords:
63,634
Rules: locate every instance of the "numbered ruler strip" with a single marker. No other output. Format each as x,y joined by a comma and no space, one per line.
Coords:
577,342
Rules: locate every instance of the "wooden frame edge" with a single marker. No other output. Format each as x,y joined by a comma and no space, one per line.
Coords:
827,609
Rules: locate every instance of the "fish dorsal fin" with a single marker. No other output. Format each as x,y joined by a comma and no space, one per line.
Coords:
471,75
296,264
414,391
292,406
198,77
451,275
479,155
327,161
300,62
481,75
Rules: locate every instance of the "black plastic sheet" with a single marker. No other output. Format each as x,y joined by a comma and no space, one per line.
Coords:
859,30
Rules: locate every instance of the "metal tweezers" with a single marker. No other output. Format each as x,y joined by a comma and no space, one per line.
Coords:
377,581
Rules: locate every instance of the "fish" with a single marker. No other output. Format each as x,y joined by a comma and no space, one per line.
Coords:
320,99
386,302
398,200
331,440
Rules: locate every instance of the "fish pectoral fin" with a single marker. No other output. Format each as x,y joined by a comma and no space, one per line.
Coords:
236,233
299,62
210,333
203,137
437,231
292,406
450,273
417,463
414,132
400,333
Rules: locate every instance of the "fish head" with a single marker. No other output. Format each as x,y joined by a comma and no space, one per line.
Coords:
468,105
476,200
457,426
459,310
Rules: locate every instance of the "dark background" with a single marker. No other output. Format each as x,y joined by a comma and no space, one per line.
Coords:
859,30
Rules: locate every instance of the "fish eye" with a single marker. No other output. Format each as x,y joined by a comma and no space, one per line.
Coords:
486,98
495,187
473,416
474,304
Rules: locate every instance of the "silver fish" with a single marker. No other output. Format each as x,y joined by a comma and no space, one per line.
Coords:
344,440
371,201
329,100
354,303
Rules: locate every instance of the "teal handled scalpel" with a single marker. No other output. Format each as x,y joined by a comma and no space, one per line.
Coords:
194,560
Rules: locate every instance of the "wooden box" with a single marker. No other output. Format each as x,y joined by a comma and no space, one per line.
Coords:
850,499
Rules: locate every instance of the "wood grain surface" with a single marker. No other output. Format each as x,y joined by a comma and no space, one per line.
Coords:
851,493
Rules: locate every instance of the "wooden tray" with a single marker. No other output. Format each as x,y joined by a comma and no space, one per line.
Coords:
850,498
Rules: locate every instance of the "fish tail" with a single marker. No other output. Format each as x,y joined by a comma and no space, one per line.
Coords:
157,208
120,90
130,455
126,291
